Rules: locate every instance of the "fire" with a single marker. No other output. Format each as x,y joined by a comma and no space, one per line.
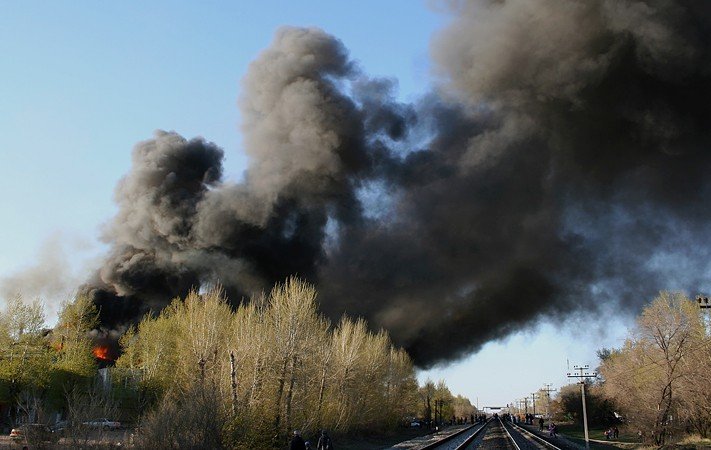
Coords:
102,352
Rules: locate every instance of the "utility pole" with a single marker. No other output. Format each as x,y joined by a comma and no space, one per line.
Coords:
582,376
548,391
533,401
439,404
704,305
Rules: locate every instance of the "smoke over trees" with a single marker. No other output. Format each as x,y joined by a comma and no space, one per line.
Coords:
560,158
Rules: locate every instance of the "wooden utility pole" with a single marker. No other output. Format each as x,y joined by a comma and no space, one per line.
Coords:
704,305
582,376
548,391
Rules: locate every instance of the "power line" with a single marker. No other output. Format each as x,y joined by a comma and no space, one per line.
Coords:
548,389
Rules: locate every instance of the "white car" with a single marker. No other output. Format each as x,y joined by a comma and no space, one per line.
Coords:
103,423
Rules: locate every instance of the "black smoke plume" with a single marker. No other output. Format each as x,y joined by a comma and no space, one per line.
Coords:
560,165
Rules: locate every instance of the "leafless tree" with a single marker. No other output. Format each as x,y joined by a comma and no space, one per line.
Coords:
646,376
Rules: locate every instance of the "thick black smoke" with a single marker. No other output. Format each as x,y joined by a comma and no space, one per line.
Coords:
559,166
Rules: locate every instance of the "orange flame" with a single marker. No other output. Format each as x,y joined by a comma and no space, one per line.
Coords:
102,352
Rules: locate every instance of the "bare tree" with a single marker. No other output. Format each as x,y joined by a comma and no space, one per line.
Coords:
645,374
85,404
694,394
191,419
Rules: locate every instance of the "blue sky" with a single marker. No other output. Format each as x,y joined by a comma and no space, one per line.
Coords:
82,82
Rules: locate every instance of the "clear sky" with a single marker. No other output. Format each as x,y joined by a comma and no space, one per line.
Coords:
82,82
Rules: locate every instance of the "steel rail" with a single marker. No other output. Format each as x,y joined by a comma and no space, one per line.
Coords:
509,434
536,437
434,445
469,440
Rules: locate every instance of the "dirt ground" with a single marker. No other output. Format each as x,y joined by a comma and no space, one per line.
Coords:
121,438
108,439
376,441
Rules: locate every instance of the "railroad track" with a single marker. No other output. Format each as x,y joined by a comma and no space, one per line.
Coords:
457,440
525,440
543,439
495,434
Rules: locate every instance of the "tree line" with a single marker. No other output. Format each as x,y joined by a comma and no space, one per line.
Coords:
272,365
659,377
38,365
656,384
202,374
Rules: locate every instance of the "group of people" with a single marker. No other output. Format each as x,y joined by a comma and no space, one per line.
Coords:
298,443
552,427
612,433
